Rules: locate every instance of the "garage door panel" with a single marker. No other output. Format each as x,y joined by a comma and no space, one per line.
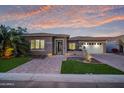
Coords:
95,49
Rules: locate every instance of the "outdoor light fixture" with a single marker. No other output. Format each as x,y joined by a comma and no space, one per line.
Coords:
86,45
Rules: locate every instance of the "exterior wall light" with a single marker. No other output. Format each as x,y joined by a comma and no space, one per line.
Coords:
86,45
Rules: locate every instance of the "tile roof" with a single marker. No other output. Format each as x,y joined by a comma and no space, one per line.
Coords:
85,38
46,34
91,38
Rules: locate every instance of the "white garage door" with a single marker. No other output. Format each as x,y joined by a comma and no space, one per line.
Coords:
94,49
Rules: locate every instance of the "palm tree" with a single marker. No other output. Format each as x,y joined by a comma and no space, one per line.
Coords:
18,42
11,37
4,37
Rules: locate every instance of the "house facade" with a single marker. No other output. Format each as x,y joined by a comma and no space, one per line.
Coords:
93,45
51,44
61,44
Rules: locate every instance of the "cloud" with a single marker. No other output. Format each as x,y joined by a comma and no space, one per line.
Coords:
74,23
18,16
109,20
72,11
50,16
108,34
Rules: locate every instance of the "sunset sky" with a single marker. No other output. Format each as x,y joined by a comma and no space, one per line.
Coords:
72,20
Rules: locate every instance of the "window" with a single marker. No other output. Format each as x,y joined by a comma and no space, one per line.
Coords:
42,44
32,44
37,44
99,43
72,46
90,43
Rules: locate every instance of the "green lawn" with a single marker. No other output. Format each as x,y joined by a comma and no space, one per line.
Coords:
8,64
76,67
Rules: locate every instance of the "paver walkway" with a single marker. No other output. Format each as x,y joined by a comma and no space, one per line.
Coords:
47,65
116,61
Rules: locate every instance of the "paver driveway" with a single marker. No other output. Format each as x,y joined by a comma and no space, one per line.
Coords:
47,65
116,61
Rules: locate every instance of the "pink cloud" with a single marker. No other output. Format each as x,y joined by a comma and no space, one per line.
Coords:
18,16
75,23
108,34
76,16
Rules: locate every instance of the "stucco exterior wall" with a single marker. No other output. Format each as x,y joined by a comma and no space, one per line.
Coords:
48,43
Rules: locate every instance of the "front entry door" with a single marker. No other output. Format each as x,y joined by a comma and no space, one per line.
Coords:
59,47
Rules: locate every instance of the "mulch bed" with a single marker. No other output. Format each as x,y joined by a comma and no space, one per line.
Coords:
75,58
96,61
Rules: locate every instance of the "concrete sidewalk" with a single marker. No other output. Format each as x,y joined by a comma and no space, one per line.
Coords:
65,79
62,77
60,80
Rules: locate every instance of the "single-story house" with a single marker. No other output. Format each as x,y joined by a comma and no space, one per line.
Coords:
51,44
60,44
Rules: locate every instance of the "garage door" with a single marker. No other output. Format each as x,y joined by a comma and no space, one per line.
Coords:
94,49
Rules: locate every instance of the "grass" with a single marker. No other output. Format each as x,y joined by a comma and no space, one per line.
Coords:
76,67
8,64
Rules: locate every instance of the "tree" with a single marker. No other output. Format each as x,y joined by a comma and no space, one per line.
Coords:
13,37
4,37
18,42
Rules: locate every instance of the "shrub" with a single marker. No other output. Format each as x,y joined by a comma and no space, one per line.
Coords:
1,53
8,52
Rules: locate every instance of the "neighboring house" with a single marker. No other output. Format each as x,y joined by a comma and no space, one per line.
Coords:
60,44
121,43
52,44
115,43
